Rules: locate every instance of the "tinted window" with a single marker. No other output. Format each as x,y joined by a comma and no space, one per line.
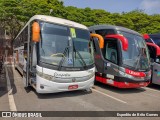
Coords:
110,51
105,32
23,37
156,40
152,52
149,40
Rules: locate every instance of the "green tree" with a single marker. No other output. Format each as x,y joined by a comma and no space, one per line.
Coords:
15,13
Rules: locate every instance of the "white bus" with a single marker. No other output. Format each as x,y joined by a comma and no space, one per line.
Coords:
54,55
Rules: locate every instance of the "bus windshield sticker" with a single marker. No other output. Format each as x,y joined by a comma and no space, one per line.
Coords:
70,61
73,32
108,64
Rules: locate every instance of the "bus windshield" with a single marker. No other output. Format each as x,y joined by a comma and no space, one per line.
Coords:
65,46
137,55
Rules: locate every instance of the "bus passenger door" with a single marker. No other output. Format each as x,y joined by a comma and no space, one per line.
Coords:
98,56
110,54
25,67
155,65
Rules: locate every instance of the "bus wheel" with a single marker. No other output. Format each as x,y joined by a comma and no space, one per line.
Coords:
28,89
88,90
95,82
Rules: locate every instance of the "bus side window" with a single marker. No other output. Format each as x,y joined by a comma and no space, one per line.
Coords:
25,51
152,52
94,47
105,32
149,40
110,51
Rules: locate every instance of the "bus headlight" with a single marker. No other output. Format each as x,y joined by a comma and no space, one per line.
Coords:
92,75
125,75
45,76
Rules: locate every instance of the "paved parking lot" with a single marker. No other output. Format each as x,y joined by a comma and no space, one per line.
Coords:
102,98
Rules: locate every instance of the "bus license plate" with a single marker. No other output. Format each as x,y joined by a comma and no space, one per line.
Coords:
72,87
141,83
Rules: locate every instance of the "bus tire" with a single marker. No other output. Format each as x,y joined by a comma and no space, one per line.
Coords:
95,81
28,89
88,90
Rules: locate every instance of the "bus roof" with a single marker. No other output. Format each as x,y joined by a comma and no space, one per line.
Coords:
54,20
105,26
58,21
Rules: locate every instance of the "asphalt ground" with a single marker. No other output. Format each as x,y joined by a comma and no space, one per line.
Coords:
102,98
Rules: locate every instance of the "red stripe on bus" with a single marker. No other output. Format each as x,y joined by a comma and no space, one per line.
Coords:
122,84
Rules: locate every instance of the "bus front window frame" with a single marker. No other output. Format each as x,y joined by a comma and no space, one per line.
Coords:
69,54
139,52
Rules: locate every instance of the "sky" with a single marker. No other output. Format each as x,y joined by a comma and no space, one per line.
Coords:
149,6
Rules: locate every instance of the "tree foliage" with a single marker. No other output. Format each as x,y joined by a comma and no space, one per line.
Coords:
15,13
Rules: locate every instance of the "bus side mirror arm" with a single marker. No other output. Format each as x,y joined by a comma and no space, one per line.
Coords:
146,36
100,38
121,38
155,46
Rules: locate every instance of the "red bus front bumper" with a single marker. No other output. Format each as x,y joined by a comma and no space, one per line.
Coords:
121,84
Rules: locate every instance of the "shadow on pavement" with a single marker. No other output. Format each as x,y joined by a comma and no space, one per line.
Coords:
3,83
119,90
11,78
82,92
154,86
60,94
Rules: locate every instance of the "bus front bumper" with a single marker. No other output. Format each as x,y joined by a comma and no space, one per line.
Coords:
122,84
46,86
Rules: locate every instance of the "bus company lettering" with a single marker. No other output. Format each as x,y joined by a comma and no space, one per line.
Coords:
133,73
61,75
137,74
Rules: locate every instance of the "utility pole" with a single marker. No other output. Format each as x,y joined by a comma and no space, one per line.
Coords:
51,10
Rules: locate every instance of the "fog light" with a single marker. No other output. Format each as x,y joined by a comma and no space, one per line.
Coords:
41,86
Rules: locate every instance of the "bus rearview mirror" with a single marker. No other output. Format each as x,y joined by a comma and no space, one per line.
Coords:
100,38
156,47
146,36
121,38
35,32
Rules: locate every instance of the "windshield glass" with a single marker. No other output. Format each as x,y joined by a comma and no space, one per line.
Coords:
137,55
82,48
57,43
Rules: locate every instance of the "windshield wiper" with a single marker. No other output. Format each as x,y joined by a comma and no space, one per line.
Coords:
63,58
80,56
139,58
